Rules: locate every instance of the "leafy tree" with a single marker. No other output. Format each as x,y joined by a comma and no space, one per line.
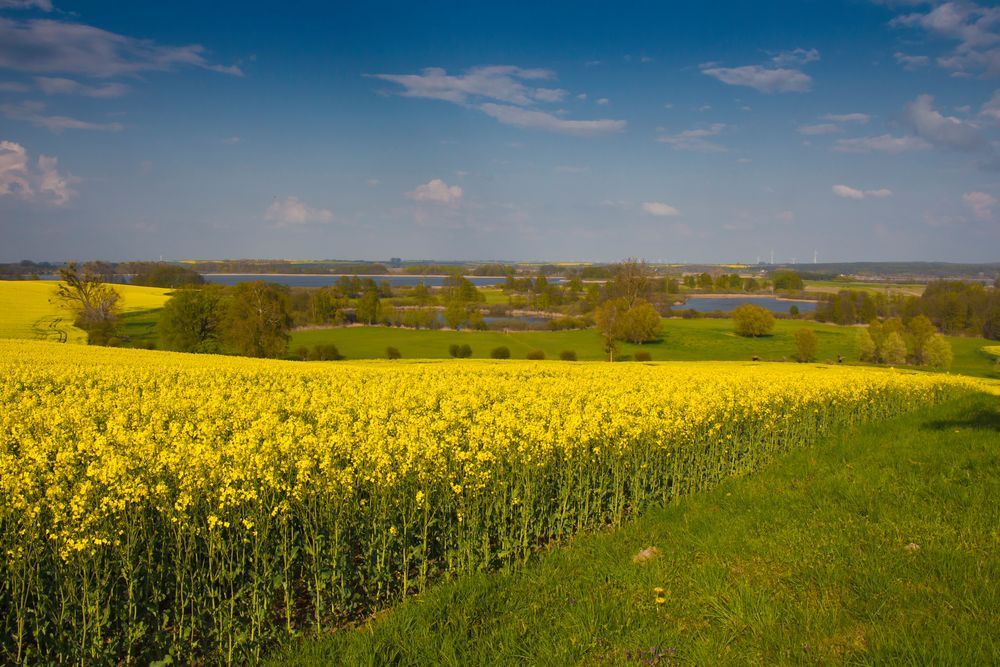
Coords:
535,355
866,346
94,302
568,355
937,352
787,280
806,345
191,320
641,323
893,350
325,352
161,274
368,306
631,280
257,320
705,280
326,305
393,353
643,356
919,330
610,318
752,321
501,352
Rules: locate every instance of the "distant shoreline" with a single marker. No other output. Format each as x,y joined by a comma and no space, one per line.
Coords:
747,296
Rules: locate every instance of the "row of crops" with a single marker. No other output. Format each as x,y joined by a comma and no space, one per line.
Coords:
205,508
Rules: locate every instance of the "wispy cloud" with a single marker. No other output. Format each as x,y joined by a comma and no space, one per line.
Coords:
911,62
821,128
939,130
695,140
848,192
45,45
763,79
293,212
795,57
659,209
436,191
40,183
44,5
981,204
848,117
883,143
33,112
542,120
503,92
59,86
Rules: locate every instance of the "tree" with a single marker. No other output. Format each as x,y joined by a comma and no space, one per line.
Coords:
787,279
937,352
610,320
94,302
920,330
806,345
257,320
752,321
893,349
866,346
368,306
502,352
641,323
191,321
631,280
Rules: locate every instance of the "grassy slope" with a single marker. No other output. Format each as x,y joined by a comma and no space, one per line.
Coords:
28,311
683,340
877,547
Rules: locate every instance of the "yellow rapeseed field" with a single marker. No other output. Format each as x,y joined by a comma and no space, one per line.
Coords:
203,506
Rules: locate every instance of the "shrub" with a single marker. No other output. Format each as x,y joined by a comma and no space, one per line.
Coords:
455,350
751,320
536,355
568,355
501,352
866,346
643,356
464,351
392,353
301,352
325,352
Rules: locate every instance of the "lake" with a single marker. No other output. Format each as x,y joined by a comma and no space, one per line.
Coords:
728,304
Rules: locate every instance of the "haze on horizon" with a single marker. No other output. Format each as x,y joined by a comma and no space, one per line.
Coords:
864,130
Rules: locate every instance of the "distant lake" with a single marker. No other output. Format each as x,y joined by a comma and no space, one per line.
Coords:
311,280
728,304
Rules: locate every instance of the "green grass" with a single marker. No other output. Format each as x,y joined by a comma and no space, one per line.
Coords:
682,340
875,547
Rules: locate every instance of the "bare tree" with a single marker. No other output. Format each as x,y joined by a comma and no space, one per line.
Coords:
632,280
94,302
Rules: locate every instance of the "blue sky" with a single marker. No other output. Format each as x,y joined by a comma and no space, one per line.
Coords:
682,132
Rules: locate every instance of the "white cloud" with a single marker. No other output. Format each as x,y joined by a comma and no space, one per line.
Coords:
911,62
293,212
848,192
763,79
232,141
33,112
981,204
659,209
59,86
436,191
943,131
373,182
695,140
975,29
502,92
884,143
848,117
44,45
43,183
795,57
542,120
991,108
604,101
44,5
822,128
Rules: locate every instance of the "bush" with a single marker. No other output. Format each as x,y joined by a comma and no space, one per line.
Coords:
301,352
536,355
324,352
643,356
460,351
806,345
568,355
501,352
894,349
392,353
751,320
937,352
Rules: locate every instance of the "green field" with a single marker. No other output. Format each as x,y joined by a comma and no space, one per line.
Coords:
911,289
861,550
683,340
28,310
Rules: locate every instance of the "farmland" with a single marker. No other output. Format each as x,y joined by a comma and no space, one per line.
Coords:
208,507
